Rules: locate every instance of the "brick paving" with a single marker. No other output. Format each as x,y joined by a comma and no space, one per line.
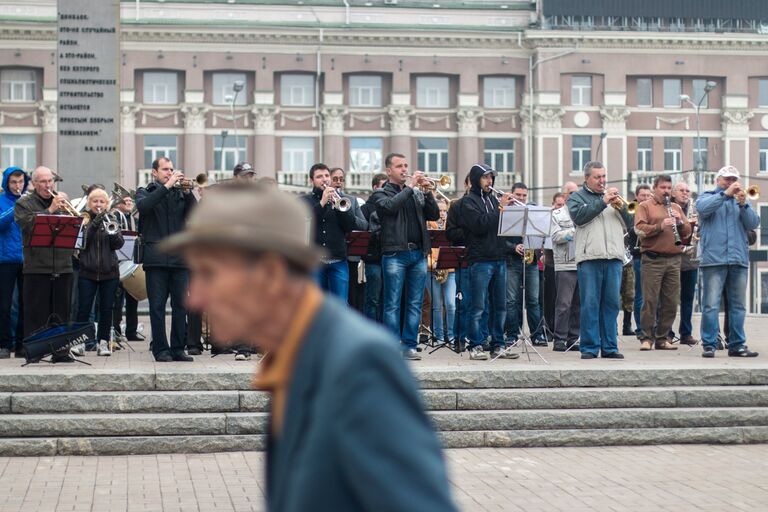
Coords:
650,478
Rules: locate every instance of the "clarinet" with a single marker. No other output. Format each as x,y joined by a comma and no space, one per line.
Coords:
678,241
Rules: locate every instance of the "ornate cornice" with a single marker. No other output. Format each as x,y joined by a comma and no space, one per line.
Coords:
540,39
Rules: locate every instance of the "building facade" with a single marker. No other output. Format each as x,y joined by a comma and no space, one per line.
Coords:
535,89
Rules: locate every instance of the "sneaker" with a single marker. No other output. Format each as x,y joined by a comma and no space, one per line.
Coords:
5,353
119,338
540,343
646,345
503,353
708,352
742,351
477,353
135,337
665,345
688,340
573,346
183,358
78,350
559,346
613,355
242,355
103,349
411,355
588,355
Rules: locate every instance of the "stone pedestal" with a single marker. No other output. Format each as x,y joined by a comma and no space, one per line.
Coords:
400,129
333,136
194,138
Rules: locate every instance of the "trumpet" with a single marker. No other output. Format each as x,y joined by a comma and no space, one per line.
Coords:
499,193
187,185
66,206
435,184
753,193
342,204
111,226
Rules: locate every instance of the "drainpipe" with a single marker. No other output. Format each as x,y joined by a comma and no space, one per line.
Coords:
346,12
317,99
138,4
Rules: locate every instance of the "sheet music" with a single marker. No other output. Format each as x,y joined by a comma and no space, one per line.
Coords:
529,221
125,253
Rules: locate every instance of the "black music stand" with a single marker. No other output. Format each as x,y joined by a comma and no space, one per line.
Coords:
56,232
452,258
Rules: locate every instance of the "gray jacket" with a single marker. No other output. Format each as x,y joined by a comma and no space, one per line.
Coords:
563,244
599,228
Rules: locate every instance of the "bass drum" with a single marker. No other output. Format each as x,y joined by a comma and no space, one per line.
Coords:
133,279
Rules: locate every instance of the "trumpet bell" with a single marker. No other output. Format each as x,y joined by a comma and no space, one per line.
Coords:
632,208
753,193
202,179
343,204
445,182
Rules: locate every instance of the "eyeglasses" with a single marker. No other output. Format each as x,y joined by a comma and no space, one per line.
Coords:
338,178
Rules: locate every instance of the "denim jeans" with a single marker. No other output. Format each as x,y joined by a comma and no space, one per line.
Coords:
514,300
334,278
638,292
443,295
489,279
87,290
463,322
714,280
373,288
599,285
687,293
404,269
161,283
10,280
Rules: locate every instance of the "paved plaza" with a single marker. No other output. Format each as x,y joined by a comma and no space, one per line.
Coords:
649,478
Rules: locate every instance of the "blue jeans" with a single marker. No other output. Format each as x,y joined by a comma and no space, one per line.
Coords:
514,300
373,285
638,293
87,291
404,269
334,278
443,295
714,280
687,293
489,279
464,307
599,294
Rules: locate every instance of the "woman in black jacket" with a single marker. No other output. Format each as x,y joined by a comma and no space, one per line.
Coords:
99,271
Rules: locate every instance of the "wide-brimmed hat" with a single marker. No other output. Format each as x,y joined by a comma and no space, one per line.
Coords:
253,218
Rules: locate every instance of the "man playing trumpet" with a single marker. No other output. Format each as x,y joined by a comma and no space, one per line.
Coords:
725,216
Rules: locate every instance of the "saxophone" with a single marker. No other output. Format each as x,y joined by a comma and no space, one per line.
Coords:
529,255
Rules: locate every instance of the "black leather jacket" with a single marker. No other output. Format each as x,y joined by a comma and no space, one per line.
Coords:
390,201
162,212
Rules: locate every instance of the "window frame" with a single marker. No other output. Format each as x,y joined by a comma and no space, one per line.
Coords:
762,153
645,155
650,92
355,92
171,152
169,89
581,153
507,156
28,87
584,91
308,154
679,92
226,87
287,91
376,155
704,149
441,96
223,152
762,92
676,154
490,93
425,156
694,97
28,151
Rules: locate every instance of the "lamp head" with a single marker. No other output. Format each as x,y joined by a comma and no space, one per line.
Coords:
710,85
229,98
238,85
685,97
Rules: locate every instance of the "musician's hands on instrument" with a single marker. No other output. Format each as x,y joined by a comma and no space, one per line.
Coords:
520,249
175,177
415,179
741,197
676,214
58,202
611,196
506,199
733,189
669,221
327,195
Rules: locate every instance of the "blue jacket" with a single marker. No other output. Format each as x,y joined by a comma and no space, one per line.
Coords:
354,436
10,234
723,229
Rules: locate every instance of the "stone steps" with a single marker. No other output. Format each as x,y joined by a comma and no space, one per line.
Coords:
112,402
87,412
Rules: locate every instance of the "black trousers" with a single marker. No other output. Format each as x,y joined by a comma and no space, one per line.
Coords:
131,312
87,292
49,296
10,278
163,282
195,330
356,295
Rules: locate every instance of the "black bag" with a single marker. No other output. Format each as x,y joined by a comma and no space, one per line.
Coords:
56,338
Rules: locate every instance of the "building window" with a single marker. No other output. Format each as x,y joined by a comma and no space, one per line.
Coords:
499,92
500,154
699,94
222,88
763,155
673,153
156,146
17,85
763,211
364,91
644,92
644,153
700,152
432,92
365,154
581,152
581,90
297,90
298,154
227,152
19,151
433,155
672,91
762,93
160,88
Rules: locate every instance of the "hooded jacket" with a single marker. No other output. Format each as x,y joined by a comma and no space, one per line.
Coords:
10,233
480,213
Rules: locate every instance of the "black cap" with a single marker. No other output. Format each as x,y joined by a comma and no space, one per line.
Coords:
486,169
243,168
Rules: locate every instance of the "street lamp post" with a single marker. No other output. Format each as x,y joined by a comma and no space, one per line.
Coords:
698,162
237,86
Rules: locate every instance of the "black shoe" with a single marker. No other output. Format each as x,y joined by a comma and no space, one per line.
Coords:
183,357
613,355
215,351
62,358
540,343
134,336
574,345
742,351
708,352
559,346
163,357
587,355
194,351
19,352
5,353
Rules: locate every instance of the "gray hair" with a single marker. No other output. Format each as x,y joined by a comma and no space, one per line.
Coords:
594,164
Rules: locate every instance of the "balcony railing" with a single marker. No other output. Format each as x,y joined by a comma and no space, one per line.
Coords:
647,177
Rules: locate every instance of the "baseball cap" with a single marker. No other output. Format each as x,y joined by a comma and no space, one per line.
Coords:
243,168
728,171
